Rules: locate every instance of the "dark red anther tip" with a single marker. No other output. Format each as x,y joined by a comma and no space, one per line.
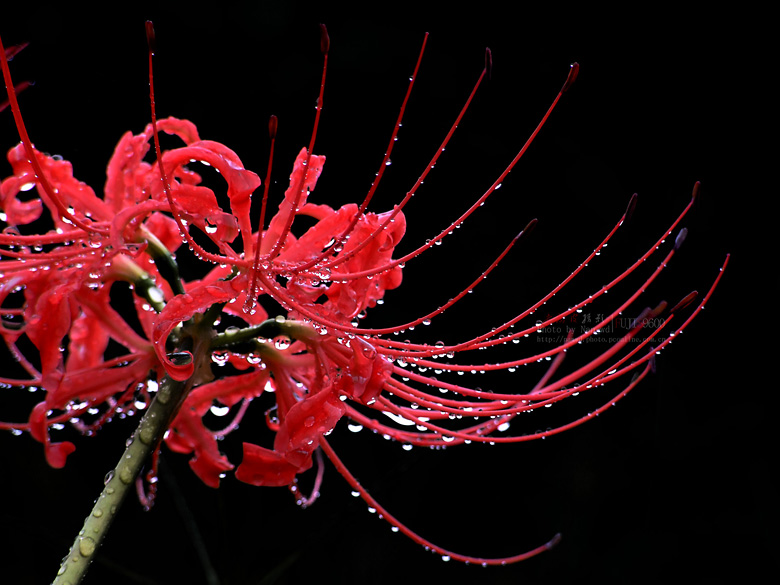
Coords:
678,241
273,124
488,62
150,38
11,52
689,298
527,229
696,187
324,40
573,71
630,207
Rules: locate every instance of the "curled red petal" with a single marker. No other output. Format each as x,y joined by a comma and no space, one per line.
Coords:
190,436
56,453
300,432
98,383
181,308
210,468
241,182
48,322
165,229
297,187
350,297
316,238
259,315
229,391
88,340
59,173
261,466
362,369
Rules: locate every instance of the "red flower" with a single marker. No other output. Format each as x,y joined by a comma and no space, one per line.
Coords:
317,360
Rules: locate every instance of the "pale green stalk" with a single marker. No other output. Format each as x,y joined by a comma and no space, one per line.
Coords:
121,481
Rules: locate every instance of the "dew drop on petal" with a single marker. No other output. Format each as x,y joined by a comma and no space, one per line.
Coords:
219,410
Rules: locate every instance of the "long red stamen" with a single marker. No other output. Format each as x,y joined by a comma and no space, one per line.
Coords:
341,238
479,432
251,299
397,209
478,203
175,211
393,521
485,339
325,46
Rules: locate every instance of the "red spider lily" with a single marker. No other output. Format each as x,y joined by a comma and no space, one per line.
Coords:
317,360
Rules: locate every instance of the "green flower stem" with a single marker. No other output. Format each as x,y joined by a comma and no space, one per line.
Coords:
268,329
146,287
164,260
121,480
146,438
124,268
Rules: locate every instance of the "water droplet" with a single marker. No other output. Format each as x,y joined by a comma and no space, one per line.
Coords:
282,342
87,546
219,409
146,435
126,475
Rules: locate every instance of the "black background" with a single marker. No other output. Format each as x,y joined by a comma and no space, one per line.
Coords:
672,483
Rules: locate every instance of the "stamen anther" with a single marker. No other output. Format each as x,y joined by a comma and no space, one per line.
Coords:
575,69
678,241
631,207
324,40
151,41
527,229
687,300
696,187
